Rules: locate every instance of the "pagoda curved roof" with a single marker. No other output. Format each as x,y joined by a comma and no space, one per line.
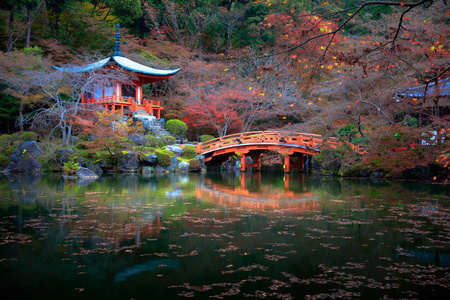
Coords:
123,62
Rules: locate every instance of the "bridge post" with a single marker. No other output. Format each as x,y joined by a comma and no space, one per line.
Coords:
243,165
286,164
301,163
258,162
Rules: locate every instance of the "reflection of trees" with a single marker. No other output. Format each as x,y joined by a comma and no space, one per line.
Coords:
25,187
113,212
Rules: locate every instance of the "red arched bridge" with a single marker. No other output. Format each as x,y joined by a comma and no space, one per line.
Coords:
255,143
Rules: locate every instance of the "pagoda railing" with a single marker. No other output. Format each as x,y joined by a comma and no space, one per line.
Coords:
121,100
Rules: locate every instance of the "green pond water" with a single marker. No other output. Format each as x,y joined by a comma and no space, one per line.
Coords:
223,236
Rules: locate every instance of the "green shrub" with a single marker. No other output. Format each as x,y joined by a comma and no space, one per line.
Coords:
83,137
168,139
5,141
144,150
49,160
16,136
206,137
163,158
177,127
29,136
70,168
189,152
36,50
81,146
330,161
195,165
159,141
10,149
4,160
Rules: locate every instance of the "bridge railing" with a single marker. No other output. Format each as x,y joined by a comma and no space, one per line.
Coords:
307,140
302,139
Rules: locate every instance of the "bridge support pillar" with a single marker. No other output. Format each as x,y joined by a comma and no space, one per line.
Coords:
287,166
243,165
300,162
258,162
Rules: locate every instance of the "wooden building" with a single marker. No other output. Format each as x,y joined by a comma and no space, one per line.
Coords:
126,97
431,100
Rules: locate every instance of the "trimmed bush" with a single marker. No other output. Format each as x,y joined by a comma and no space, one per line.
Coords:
206,137
159,141
195,165
144,150
4,160
177,127
5,141
81,146
169,140
29,136
163,158
10,149
189,152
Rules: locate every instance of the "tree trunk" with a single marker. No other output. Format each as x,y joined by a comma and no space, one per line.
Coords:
68,134
225,42
27,43
141,28
21,115
200,46
11,24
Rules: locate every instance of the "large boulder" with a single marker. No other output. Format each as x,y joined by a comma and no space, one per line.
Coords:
178,151
95,168
129,163
195,165
85,173
149,160
173,164
103,165
26,150
31,165
23,159
183,166
81,162
138,139
201,158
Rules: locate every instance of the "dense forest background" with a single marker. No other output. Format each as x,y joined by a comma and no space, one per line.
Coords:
374,73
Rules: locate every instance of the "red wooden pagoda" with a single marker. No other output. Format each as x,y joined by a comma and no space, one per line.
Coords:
118,95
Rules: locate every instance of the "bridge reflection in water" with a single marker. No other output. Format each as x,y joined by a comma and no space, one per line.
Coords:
252,194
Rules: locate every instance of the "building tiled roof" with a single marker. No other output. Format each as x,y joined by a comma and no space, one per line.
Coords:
121,62
442,89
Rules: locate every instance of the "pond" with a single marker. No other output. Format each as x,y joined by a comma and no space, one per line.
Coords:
223,235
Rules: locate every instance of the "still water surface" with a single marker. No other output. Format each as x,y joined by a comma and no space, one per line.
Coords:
223,235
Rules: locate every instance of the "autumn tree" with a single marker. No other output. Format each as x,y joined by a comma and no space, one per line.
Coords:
62,89
108,130
16,71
